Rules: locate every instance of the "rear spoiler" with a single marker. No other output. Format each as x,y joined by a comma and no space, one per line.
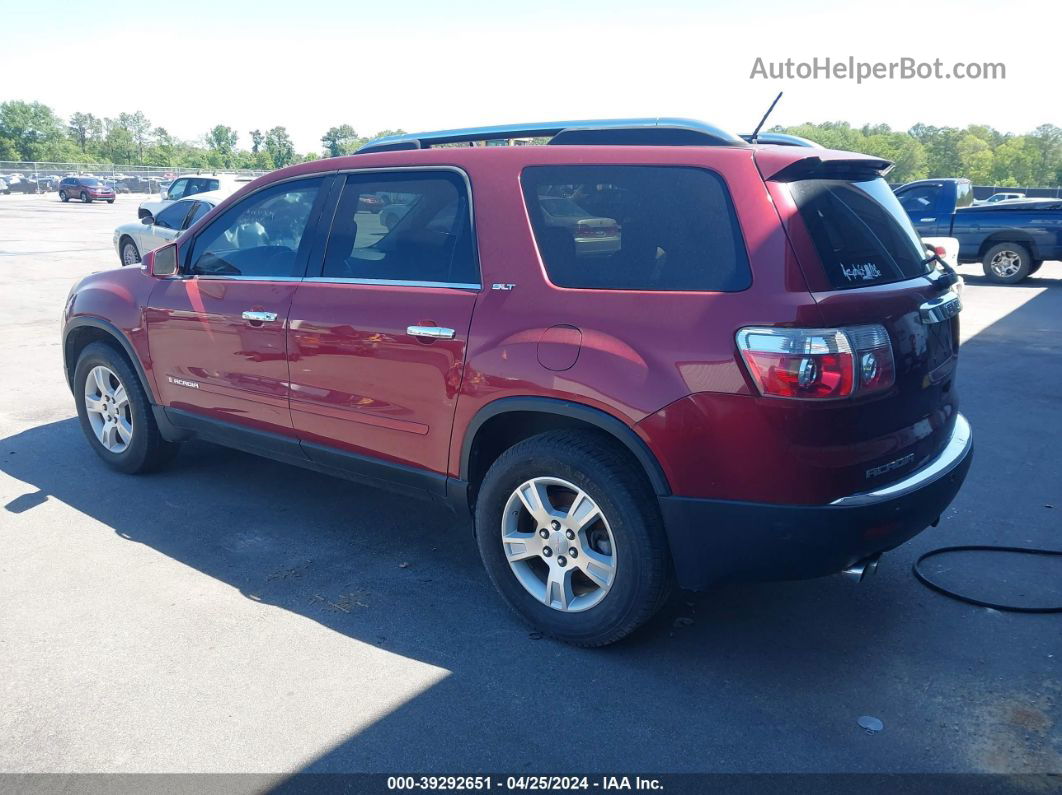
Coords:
825,165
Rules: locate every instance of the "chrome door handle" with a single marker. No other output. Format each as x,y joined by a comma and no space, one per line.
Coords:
260,317
431,332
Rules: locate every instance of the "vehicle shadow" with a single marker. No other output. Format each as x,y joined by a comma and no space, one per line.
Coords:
745,677
405,576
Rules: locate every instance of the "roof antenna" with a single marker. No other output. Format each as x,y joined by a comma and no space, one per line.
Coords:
752,138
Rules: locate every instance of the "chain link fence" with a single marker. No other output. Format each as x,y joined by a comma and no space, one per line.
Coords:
41,177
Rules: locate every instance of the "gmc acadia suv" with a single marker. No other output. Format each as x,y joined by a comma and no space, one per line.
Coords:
648,353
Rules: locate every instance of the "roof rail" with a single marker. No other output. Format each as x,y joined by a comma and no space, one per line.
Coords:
632,132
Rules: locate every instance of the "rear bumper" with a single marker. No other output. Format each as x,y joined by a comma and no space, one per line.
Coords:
719,540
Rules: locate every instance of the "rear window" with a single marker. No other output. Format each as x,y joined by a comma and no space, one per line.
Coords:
636,228
861,232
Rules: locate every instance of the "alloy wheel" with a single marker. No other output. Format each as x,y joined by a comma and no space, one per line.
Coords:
559,544
1005,264
107,406
129,254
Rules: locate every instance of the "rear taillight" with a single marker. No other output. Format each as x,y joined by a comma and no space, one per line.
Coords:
817,364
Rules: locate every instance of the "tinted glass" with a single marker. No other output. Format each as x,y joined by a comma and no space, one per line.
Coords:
636,228
862,234
88,182
177,188
200,185
923,198
201,209
261,236
172,217
404,227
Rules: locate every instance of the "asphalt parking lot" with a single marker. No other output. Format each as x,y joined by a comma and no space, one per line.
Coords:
238,615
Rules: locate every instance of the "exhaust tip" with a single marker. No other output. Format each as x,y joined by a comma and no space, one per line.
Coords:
862,569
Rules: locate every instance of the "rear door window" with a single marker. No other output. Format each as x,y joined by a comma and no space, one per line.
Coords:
862,234
636,228
403,226
201,209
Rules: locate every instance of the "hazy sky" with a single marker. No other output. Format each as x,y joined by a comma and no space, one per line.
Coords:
419,65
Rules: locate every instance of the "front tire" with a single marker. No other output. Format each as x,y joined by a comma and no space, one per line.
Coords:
130,254
571,536
85,197
115,412
1007,263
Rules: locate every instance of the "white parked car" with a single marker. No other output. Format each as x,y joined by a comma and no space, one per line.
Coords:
133,240
1003,197
189,185
947,248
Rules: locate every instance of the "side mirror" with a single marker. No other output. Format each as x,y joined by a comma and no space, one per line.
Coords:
147,220
162,262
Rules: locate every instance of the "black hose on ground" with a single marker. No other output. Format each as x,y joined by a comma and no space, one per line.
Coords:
922,578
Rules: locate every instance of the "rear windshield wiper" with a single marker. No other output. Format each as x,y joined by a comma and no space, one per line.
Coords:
951,275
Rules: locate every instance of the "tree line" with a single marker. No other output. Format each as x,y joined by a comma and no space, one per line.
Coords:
33,131
978,152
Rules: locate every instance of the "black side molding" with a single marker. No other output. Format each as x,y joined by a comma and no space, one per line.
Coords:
320,458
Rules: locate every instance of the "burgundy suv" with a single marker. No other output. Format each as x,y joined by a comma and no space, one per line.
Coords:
87,189
721,361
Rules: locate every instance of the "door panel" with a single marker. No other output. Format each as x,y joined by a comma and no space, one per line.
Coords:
209,359
400,253
360,382
217,333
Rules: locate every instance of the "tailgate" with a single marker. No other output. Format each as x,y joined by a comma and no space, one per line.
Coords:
865,264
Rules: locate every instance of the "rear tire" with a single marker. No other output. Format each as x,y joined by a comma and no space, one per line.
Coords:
622,544
121,429
1036,266
63,197
1007,263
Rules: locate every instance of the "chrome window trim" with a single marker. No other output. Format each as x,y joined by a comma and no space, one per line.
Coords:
221,276
954,452
392,282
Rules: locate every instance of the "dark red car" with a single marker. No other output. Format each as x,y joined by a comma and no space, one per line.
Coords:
85,189
755,381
